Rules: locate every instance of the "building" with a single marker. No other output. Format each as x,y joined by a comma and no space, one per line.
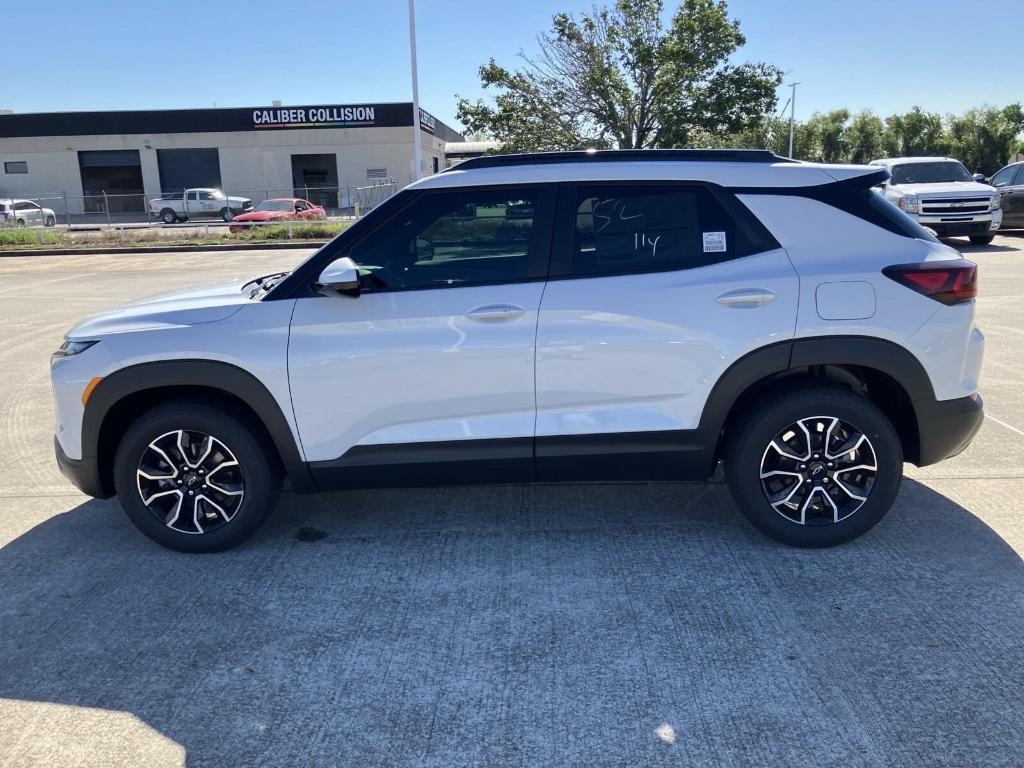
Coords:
116,160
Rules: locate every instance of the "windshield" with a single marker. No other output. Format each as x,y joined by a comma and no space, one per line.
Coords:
274,205
929,173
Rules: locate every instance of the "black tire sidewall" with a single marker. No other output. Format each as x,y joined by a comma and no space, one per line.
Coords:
743,464
984,240
164,217
262,482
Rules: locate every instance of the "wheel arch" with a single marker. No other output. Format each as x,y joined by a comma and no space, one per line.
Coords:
887,374
124,395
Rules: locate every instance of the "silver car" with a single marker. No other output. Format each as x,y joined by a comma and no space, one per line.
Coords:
25,213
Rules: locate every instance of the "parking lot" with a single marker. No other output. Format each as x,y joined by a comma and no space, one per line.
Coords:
591,625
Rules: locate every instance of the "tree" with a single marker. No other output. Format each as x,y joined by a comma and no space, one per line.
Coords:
827,134
984,139
864,138
914,134
618,77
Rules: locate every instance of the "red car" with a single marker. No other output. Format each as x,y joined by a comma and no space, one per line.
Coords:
279,209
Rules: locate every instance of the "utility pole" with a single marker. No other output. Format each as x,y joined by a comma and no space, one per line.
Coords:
417,150
792,112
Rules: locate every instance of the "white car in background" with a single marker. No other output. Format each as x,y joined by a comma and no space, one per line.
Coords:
25,213
940,193
197,202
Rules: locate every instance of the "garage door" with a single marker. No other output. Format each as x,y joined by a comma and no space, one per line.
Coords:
112,179
184,168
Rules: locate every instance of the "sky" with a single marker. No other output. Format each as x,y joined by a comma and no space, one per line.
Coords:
887,56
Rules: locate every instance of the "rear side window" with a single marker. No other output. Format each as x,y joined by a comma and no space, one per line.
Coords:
897,219
649,228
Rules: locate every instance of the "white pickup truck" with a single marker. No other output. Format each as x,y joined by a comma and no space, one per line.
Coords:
196,202
939,193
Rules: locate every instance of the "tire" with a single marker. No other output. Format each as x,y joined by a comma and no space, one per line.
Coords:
168,216
981,239
226,214
51,221
20,223
750,454
220,515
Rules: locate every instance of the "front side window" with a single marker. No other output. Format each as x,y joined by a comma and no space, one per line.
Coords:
448,239
26,206
649,228
1005,177
274,205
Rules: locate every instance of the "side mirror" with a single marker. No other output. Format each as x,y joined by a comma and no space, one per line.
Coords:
341,276
980,178
424,249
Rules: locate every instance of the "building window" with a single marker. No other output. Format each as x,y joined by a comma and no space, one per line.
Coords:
376,174
16,166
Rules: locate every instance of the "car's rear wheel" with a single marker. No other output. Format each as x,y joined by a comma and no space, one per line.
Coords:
981,239
20,223
194,478
815,467
51,221
168,216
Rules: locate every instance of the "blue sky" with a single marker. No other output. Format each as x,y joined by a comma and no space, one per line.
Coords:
943,55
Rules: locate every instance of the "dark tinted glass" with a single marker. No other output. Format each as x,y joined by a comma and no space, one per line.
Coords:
929,173
449,239
649,228
906,225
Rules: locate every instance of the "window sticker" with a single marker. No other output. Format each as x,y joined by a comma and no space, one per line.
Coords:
714,242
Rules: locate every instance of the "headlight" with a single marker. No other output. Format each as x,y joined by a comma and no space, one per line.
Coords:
907,203
69,348
994,205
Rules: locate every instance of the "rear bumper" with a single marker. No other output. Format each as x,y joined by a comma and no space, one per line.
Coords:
946,427
83,473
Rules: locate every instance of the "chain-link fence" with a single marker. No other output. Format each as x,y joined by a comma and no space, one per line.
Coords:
49,209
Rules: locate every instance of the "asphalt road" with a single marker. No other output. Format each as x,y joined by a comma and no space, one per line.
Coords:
590,625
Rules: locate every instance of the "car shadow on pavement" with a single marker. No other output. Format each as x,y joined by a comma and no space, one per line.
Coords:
641,624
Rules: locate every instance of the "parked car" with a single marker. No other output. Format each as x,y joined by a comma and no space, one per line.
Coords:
939,193
659,312
193,203
26,213
279,209
1009,181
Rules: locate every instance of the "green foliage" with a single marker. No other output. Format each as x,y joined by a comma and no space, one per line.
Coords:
864,138
300,230
983,139
12,238
914,134
618,77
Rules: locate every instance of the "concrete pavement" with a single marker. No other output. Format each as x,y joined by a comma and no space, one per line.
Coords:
560,625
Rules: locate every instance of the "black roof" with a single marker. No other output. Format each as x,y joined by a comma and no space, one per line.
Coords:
624,155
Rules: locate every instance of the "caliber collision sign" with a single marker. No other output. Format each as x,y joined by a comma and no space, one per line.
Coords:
314,117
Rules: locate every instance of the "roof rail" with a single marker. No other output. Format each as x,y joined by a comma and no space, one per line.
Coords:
622,155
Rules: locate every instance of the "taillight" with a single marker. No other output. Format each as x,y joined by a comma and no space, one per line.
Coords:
950,282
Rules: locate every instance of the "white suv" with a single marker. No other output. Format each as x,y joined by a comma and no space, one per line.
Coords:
633,315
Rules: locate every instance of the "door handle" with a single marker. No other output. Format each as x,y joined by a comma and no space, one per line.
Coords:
495,313
745,298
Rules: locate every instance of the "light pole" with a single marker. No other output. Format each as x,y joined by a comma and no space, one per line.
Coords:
792,111
417,150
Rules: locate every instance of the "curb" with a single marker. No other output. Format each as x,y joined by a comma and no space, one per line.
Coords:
288,244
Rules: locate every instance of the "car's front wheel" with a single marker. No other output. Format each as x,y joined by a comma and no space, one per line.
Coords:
981,239
814,467
195,478
226,214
